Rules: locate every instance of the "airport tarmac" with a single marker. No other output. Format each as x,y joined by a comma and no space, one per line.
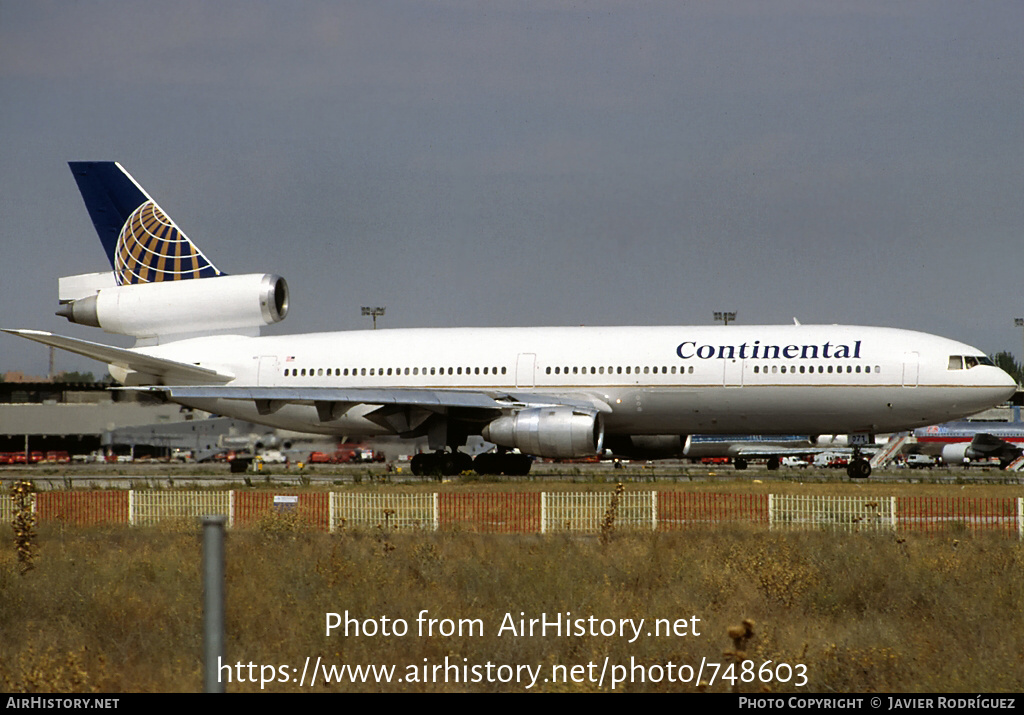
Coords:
141,474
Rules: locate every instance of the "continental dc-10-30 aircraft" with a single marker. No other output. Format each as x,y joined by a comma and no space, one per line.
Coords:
543,391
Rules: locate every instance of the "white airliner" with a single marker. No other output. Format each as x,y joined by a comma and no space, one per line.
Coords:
549,392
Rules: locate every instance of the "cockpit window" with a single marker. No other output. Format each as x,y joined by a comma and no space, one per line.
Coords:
960,362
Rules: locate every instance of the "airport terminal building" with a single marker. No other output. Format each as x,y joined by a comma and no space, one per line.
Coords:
73,417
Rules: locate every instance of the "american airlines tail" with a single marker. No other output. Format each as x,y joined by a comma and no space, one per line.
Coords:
161,288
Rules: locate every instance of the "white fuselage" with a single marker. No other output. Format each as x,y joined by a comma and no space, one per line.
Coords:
800,379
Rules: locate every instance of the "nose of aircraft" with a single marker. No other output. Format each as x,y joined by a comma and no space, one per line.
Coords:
1003,383
1010,381
989,386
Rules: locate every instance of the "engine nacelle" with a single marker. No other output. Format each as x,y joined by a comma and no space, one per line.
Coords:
549,432
957,453
205,305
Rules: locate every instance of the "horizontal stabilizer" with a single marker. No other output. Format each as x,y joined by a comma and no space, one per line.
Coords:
168,371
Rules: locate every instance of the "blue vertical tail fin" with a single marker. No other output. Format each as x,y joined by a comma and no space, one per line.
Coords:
142,243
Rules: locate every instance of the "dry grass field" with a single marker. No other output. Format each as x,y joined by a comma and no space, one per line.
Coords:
118,609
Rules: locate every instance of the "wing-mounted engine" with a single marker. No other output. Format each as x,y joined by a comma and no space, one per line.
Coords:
983,446
549,432
957,453
148,311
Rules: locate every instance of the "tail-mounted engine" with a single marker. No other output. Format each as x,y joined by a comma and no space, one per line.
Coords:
549,432
208,305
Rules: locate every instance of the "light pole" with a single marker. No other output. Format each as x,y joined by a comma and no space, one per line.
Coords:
1019,322
726,317
379,310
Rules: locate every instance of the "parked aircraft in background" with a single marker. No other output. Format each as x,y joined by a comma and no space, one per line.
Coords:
549,392
965,440
739,448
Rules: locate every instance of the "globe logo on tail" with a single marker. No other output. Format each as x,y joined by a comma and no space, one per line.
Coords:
151,249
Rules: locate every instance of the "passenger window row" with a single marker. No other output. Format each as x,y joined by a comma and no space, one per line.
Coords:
380,371
619,370
593,370
819,369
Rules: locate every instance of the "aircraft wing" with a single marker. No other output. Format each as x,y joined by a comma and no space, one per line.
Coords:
987,445
328,400
167,371
762,451
400,409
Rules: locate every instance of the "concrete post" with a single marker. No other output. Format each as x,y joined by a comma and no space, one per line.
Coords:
213,602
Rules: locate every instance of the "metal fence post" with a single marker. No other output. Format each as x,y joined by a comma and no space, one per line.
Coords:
213,602
1020,518
330,512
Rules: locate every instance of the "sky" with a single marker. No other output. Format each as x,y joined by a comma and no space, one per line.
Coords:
533,162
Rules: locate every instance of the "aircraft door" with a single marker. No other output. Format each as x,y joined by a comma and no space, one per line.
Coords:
910,369
732,375
267,371
525,365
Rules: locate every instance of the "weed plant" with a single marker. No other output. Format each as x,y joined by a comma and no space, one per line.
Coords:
119,609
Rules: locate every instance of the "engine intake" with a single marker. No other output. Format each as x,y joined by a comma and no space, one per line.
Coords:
549,432
205,305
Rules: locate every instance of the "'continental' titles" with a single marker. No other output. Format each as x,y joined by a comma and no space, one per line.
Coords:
757,351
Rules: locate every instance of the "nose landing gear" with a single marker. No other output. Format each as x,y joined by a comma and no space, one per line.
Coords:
858,468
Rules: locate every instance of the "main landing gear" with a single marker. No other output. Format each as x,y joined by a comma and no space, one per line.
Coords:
513,465
449,464
441,464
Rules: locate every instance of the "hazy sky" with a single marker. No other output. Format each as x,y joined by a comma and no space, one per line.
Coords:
534,163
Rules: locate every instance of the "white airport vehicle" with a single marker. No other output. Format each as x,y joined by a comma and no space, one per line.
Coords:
547,392
919,461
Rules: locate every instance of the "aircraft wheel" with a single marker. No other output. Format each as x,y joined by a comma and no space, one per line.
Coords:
739,463
520,465
773,464
420,465
484,464
449,464
508,464
858,469
463,462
